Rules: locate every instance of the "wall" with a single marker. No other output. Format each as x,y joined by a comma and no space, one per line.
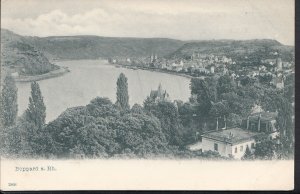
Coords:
239,153
223,148
226,149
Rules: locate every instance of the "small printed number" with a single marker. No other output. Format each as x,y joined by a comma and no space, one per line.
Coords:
12,184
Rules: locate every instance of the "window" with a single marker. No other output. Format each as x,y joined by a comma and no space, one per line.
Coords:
241,148
216,147
235,150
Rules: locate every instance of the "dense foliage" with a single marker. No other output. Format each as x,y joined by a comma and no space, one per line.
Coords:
100,130
36,111
8,101
122,92
160,127
19,54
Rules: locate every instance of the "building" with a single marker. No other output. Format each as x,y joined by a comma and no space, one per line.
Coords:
203,70
262,122
153,58
234,141
212,69
159,94
229,142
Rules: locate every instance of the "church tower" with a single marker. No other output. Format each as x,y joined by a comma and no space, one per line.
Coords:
151,58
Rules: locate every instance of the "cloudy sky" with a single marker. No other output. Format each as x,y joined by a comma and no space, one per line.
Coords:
179,19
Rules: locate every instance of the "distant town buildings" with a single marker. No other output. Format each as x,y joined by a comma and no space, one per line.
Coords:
196,65
153,58
270,71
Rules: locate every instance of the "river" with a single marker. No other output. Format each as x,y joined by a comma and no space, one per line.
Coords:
91,78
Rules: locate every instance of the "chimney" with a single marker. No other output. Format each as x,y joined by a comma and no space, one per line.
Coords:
225,122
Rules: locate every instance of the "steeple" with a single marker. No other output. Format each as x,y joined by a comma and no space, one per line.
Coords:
160,91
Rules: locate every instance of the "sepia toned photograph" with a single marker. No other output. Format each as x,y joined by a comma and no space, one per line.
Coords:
140,94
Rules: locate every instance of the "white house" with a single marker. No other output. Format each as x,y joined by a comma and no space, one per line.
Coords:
229,142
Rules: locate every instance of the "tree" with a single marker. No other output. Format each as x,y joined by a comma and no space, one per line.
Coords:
200,88
248,154
186,112
265,149
137,109
212,83
99,130
265,79
122,92
270,100
246,81
9,106
36,111
285,121
233,120
240,105
289,87
225,85
219,110
149,104
168,115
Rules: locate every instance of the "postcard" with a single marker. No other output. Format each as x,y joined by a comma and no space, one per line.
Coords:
147,95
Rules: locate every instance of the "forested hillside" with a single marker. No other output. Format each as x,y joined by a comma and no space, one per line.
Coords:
19,56
242,51
94,47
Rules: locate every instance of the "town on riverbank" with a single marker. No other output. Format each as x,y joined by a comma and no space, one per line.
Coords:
205,65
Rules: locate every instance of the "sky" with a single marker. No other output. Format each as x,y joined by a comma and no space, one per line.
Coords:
177,19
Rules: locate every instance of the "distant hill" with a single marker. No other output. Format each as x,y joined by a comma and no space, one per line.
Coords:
17,55
34,49
253,50
94,47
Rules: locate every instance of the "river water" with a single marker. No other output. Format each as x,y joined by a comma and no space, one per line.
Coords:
91,78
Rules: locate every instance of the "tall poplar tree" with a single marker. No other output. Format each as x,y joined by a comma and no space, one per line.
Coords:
36,111
9,106
122,92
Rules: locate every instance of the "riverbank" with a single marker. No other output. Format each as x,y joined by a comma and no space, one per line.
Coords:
55,73
156,70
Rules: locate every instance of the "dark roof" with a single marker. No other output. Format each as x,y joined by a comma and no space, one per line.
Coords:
232,136
264,116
